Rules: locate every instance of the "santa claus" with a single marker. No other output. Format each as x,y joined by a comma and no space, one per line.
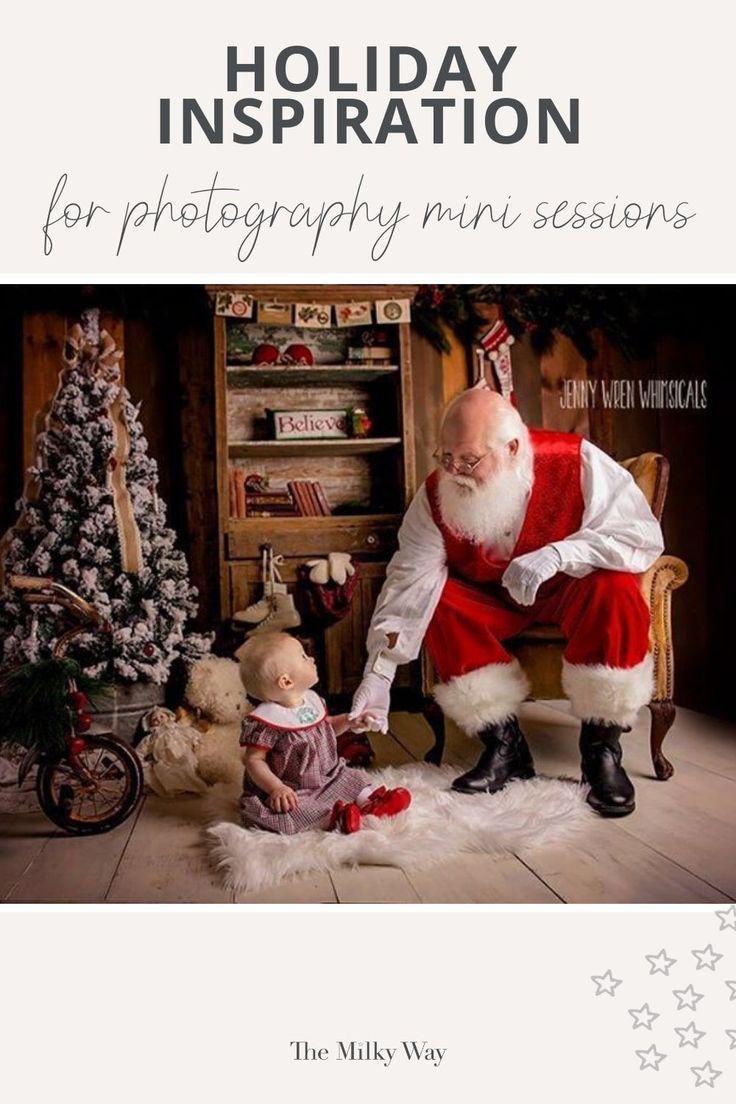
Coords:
519,527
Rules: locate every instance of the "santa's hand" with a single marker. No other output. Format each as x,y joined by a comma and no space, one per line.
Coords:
524,575
368,722
373,697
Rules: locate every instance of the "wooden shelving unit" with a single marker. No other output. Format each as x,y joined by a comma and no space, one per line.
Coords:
368,480
320,375
329,447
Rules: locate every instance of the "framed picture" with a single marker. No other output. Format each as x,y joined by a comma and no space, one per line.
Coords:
275,314
234,304
305,425
316,316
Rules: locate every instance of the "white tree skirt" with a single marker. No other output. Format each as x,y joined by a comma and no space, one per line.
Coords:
438,826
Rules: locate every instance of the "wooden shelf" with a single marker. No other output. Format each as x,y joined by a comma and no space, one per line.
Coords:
334,521
239,375
303,537
341,446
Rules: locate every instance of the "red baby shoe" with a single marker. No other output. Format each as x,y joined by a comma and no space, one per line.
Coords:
345,818
383,802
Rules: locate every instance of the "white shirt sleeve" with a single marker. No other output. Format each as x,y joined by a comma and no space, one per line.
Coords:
618,530
415,578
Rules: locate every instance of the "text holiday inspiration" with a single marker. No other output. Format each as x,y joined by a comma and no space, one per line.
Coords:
341,119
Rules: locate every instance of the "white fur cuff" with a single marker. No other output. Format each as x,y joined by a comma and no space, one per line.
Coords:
483,697
608,695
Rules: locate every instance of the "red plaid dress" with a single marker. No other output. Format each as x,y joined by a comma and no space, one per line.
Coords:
302,752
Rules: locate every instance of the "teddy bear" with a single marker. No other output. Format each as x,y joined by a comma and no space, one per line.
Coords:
215,704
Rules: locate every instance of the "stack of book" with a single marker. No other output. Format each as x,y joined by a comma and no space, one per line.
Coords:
300,498
309,498
264,502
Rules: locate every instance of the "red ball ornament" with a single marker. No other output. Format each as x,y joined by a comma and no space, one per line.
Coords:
148,649
77,744
298,354
83,721
77,700
265,354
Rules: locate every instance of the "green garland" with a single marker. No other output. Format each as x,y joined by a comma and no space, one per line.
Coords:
34,712
631,317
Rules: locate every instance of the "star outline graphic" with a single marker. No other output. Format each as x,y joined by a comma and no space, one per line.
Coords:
690,994
705,1079
639,1015
660,963
707,958
690,1035
611,984
727,918
651,1058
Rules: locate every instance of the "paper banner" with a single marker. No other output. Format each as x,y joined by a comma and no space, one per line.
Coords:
393,310
234,304
274,314
313,316
353,314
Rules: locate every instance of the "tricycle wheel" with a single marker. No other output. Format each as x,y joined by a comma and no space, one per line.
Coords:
104,797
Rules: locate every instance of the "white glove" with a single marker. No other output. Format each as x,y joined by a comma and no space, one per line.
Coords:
372,697
340,567
336,567
524,575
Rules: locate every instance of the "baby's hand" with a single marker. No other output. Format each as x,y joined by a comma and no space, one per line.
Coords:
366,722
282,799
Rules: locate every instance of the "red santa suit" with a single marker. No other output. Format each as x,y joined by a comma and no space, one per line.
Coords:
446,589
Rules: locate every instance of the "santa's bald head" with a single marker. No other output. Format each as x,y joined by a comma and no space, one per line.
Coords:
480,423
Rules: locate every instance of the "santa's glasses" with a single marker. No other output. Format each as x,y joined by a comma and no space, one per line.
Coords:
466,465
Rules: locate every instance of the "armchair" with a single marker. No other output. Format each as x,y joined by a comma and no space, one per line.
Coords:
539,649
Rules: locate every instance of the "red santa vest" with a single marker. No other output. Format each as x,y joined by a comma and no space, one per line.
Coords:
554,510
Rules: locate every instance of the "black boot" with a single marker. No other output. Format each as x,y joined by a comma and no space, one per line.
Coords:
611,792
506,755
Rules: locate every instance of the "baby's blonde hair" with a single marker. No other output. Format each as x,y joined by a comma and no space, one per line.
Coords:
260,662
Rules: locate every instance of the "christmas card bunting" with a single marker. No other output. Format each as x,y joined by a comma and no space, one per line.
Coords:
393,310
272,313
353,314
234,304
315,316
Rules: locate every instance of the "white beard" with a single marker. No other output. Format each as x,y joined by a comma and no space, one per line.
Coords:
490,513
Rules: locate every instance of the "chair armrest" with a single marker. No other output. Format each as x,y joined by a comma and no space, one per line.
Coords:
657,584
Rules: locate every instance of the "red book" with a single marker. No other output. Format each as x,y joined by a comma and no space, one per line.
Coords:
295,491
321,499
315,508
240,493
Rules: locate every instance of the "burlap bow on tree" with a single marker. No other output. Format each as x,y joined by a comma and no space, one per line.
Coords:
95,352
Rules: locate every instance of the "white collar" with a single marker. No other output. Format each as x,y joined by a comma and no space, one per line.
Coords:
309,713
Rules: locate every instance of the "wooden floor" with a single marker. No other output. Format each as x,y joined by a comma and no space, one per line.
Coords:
679,846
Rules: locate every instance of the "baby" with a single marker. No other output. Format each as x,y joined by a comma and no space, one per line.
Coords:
294,779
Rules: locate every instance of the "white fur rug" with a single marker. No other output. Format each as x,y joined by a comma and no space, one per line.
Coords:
438,826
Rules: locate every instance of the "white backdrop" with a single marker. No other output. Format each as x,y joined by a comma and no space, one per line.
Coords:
81,82
202,1006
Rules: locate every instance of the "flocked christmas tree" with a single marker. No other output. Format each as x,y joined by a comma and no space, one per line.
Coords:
90,518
